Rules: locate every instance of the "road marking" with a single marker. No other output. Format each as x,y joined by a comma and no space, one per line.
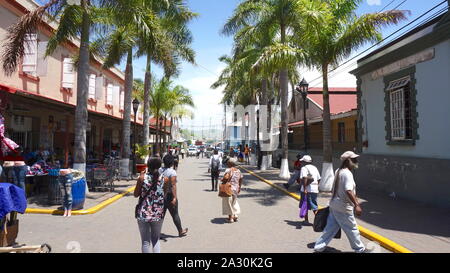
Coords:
386,243
92,210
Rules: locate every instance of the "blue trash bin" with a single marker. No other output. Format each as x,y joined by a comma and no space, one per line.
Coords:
78,193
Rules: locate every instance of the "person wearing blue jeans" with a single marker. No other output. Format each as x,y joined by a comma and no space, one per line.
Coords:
20,173
296,175
66,179
343,207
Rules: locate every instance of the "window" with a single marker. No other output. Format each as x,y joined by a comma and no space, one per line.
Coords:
122,99
92,81
109,94
341,132
401,107
68,73
116,95
30,58
399,94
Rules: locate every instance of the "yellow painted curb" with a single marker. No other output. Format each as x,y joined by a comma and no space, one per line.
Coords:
92,210
384,242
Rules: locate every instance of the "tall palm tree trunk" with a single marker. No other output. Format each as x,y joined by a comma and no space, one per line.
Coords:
264,100
126,125
327,168
164,134
147,87
157,133
284,81
284,171
81,111
171,126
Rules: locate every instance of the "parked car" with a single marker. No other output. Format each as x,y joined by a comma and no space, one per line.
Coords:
192,151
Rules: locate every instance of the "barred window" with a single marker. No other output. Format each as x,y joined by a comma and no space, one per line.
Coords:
400,108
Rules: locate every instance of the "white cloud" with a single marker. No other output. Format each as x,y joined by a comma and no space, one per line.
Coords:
374,2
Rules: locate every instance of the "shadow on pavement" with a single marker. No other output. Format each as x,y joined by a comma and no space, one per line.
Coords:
404,215
296,224
219,221
164,237
327,249
265,197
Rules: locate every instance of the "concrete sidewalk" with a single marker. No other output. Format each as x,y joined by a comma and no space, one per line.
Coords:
418,227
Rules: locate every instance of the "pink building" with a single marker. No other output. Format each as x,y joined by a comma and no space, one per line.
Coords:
41,95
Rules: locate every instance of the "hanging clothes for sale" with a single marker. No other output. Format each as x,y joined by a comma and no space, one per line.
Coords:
7,145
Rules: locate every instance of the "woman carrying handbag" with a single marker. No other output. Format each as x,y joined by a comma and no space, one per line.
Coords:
229,191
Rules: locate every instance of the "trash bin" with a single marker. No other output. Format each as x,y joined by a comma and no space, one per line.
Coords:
78,193
54,192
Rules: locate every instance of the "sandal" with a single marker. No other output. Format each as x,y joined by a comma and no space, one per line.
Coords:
235,219
183,233
230,220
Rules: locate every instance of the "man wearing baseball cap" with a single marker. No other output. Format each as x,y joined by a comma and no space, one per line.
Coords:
310,179
296,174
343,207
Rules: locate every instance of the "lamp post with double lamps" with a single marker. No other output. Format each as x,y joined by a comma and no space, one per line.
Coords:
135,109
302,88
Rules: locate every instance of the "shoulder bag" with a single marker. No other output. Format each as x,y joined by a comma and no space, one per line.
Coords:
225,187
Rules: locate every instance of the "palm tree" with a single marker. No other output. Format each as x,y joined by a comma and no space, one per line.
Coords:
267,16
329,39
165,45
126,29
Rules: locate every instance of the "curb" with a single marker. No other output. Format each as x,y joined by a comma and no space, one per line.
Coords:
384,242
92,210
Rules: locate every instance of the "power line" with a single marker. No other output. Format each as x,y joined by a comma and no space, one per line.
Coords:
392,34
418,25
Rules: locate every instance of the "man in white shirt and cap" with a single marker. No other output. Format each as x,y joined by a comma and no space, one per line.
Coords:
343,207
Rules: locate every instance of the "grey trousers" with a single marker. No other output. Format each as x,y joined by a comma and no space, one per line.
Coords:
150,234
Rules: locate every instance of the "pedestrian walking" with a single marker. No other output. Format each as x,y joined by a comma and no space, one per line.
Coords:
215,165
183,151
343,207
170,189
230,205
150,210
247,154
176,157
296,175
309,179
66,179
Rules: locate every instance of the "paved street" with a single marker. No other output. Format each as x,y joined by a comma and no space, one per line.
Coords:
269,222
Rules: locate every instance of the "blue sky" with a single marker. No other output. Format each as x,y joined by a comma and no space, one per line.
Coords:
209,45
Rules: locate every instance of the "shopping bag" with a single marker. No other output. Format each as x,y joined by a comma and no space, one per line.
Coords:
320,220
303,207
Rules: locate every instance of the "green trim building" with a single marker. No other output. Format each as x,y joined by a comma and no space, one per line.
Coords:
404,115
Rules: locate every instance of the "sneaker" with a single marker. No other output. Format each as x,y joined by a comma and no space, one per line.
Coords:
286,186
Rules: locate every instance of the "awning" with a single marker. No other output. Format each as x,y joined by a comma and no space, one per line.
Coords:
398,83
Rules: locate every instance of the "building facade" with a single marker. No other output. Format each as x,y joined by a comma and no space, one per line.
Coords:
40,98
403,97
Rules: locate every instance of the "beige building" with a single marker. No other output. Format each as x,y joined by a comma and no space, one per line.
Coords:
40,97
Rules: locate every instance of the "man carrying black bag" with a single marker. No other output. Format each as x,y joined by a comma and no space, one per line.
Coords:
343,207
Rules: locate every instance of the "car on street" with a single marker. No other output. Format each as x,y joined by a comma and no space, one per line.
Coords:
192,151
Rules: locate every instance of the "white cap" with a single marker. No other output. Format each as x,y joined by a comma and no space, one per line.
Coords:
306,158
348,154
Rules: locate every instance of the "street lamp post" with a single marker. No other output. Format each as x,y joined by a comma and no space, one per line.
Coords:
135,109
302,88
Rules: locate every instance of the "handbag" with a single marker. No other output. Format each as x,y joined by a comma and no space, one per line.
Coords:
320,221
225,187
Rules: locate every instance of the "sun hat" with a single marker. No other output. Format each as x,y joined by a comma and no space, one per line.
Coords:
347,155
232,161
306,158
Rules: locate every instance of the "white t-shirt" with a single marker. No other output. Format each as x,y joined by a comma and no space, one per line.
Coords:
341,201
311,169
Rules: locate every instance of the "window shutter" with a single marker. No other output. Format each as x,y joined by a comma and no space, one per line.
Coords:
30,54
109,94
92,82
116,95
68,73
41,59
99,85
122,99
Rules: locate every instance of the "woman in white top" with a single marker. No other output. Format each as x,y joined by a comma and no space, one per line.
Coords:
343,207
